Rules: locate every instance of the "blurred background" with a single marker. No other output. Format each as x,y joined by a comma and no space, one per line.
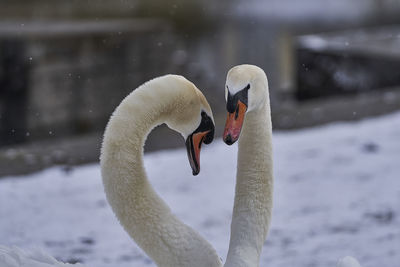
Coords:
65,65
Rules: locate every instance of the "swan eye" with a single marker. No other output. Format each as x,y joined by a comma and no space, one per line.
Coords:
206,125
232,100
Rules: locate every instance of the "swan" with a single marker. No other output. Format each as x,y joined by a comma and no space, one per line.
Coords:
144,215
169,99
249,117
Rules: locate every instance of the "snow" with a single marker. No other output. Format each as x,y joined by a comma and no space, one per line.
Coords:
337,193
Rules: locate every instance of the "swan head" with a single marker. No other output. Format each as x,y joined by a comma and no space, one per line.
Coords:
193,119
204,133
246,90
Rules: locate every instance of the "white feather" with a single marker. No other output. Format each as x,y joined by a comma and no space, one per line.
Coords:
16,257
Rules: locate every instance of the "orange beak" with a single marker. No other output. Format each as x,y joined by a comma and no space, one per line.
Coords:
234,124
193,146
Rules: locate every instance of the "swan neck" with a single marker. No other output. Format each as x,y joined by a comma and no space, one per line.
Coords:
254,184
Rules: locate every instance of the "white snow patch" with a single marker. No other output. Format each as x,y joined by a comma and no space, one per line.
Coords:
337,193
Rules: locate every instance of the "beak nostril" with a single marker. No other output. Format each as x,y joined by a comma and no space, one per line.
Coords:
228,139
237,112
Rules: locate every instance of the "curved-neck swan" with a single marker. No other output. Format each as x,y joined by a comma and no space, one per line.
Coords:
169,99
144,215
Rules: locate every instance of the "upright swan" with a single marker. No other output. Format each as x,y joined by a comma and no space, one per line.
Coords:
248,106
249,116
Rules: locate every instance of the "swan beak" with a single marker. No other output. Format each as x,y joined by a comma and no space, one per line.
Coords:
193,146
234,123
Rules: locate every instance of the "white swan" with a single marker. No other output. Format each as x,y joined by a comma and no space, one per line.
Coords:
248,105
177,102
173,100
249,116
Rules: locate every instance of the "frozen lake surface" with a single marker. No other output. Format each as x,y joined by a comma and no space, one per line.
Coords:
337,193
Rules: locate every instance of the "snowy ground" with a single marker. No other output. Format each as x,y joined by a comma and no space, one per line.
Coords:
337,193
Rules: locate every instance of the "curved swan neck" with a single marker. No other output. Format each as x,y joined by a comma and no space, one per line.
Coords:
254,184
142,213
